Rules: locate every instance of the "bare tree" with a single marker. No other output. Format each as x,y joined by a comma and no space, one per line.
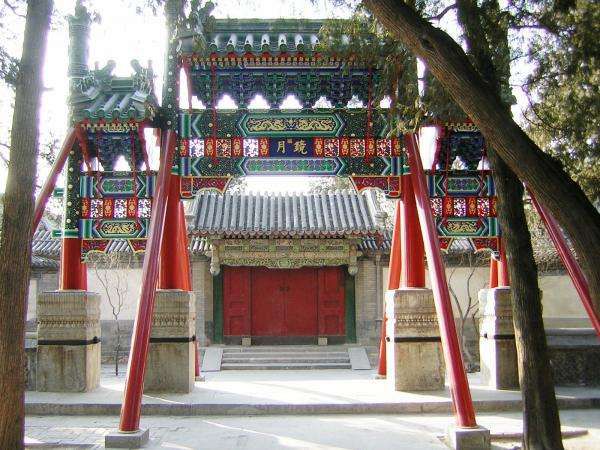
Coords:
112,272
468,312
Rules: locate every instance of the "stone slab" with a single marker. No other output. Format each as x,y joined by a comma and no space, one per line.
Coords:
358,358
477,438
290,392
172,353
212,359
414,355
68,368
68,341
119,439
497,349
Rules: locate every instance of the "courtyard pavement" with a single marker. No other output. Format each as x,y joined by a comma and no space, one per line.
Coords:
320,432
288,392
316,409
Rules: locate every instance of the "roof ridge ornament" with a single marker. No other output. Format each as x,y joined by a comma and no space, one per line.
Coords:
79,33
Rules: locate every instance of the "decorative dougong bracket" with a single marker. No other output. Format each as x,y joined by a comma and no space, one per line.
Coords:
283,253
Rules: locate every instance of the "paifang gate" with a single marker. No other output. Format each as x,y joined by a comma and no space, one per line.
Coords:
283,305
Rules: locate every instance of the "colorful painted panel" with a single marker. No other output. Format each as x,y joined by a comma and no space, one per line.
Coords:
290,124
264,147
114,206
117,185
242,81
464,206
351,123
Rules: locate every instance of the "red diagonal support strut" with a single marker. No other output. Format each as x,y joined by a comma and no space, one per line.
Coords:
568,260
459,386
59,163
393,283
134,384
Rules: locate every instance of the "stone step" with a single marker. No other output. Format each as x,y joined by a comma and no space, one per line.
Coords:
298,360
281,348
283,366
285,355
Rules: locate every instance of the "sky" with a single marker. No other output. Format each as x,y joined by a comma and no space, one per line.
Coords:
122,35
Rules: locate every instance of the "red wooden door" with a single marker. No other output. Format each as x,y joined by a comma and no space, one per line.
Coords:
331,303
301,302
268,307
270,302
236,301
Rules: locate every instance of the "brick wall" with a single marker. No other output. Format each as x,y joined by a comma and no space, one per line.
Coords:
202,284
368,288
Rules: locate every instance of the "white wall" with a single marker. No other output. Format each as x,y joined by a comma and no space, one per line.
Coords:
561,304
131,278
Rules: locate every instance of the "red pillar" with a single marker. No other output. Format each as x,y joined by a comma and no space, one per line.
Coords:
184,250
393,283
73,273
503,279
132,402
174,273
187,279
412,267
395,252
493,272
459,386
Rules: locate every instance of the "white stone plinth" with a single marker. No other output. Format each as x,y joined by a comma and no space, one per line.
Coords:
497,350
171,358
415,360
121,439
68,346
476,438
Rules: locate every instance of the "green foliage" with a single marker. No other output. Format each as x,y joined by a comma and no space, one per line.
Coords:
564,91
9,67
362,38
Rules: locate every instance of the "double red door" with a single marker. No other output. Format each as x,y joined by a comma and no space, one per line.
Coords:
283,302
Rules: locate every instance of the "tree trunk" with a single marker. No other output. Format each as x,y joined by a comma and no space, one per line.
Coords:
541,424
117,348
15,244
544,175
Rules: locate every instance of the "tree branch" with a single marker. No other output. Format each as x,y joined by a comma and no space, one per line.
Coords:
444,11
13,8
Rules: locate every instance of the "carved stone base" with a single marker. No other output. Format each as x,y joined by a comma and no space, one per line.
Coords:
68,347
414,351
170,366
498,353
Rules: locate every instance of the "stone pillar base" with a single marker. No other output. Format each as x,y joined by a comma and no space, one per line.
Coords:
119,439
68,347
477,438
414,350
171,357
497,350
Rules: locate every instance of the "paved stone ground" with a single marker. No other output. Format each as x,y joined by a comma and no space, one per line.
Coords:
335,432
295,391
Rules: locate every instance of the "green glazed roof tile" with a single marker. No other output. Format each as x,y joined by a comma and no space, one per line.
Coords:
99,95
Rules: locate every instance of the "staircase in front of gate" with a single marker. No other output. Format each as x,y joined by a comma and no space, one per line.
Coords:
297,357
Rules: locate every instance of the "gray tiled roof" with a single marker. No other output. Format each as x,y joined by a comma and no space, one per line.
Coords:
259,35
332,214
42,263
44,245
